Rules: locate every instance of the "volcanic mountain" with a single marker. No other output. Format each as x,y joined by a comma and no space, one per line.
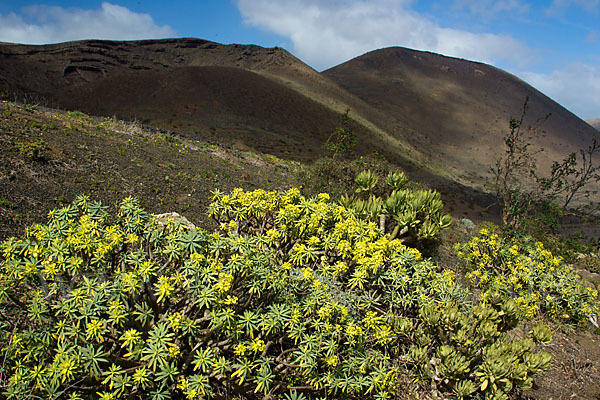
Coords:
245,95
459,110
422,110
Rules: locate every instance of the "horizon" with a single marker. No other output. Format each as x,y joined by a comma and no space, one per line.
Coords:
553,47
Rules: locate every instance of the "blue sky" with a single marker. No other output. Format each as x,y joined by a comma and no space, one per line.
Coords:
554,45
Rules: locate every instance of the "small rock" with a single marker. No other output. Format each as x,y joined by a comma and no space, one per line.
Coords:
468,223
163,219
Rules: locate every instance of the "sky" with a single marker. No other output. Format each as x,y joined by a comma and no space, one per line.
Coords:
553,45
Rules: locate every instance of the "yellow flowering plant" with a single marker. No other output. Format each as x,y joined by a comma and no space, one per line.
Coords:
291,296
522,269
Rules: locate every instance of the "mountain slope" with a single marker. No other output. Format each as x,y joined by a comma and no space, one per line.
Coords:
433,115
594,122
458,109
48,157
245,95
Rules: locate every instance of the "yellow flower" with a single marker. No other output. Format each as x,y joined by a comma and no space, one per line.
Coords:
174,351
196,258
313,241
175,320
332,360
183,384
163,288
132,238
257,345
232,226
224,282
353,330
230,300
130,338
240,349
323,196
307,274
50,269
94,329
273,235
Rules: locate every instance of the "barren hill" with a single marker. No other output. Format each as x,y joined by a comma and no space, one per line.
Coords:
425,111
245,95
458,109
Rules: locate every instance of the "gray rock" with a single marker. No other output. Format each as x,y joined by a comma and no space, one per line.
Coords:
163,219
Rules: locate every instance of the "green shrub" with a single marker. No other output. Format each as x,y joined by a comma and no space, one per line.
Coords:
34,150
575,249
343,139
524,270
412,215
336,176
591,262
292,297
470,354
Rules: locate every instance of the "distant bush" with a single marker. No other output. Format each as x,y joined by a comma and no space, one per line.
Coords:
32,150
343,139
294,297
336,176
525,191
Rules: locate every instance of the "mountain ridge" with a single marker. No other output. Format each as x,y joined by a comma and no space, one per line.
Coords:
429,113
79,67
461,109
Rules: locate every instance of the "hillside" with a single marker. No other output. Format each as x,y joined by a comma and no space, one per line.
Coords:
458,108
48,157
595,122
241,95
442,119
203,114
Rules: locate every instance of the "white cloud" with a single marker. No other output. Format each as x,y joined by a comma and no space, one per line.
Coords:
575,87
326,33
45,24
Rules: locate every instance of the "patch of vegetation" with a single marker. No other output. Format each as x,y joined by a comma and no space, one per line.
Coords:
292,295
87,160
411,215
343,139
336,176
520,184
283,296
5,203
540,283
32,150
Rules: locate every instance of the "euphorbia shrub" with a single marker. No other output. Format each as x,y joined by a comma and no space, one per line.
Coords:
412,215
291,296
539,282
